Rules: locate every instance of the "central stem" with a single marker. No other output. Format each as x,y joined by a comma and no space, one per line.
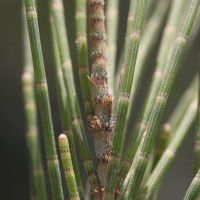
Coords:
101,124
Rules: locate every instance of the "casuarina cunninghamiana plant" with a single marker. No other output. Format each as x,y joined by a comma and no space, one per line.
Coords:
111,175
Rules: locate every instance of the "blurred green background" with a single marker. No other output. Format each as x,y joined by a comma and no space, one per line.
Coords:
14,183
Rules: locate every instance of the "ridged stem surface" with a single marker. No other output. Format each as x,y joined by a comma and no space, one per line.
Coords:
101,125
167,129
68,167
112,7
194,189
58,16
148,41
170,151
37,181
43,98
123,99
64,108
81,44
161,99
164,52
131,171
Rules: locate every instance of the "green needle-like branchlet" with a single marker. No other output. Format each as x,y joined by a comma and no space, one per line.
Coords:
166,46
161,99
148,41
64,108
101,125
126,79
131,171
68,167
38,188
194,189
58,16
32,135
111,29
43,98
130,21
81,44
167,129
170,151
197,135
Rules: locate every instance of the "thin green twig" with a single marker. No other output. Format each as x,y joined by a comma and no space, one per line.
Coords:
148,41
194,189
81,44
167,129
58,16
112,14
164,52
126,79
170,151
161,99
64,108
43,97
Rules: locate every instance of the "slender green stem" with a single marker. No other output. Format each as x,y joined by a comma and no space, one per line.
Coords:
170,151
58,16
125,84
32,136
112,7
68,167
130,21
161,99
164,51
150,8
148,41
64,108
81,44
43,98
194,189
197,135
28,68
167,129
101,125
131,172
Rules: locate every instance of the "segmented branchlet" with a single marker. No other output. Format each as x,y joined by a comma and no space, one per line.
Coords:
43,99
101,124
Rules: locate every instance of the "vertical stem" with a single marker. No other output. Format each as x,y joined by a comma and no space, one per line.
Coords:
64,108
161,99
68,167
81,44
101,125
194,189
112,7
164,51
149,37
28,67
130,175
43,98
130,21
170,151
58,15
126,79
167,129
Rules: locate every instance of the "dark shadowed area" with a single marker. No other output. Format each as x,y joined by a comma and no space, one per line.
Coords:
14,181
